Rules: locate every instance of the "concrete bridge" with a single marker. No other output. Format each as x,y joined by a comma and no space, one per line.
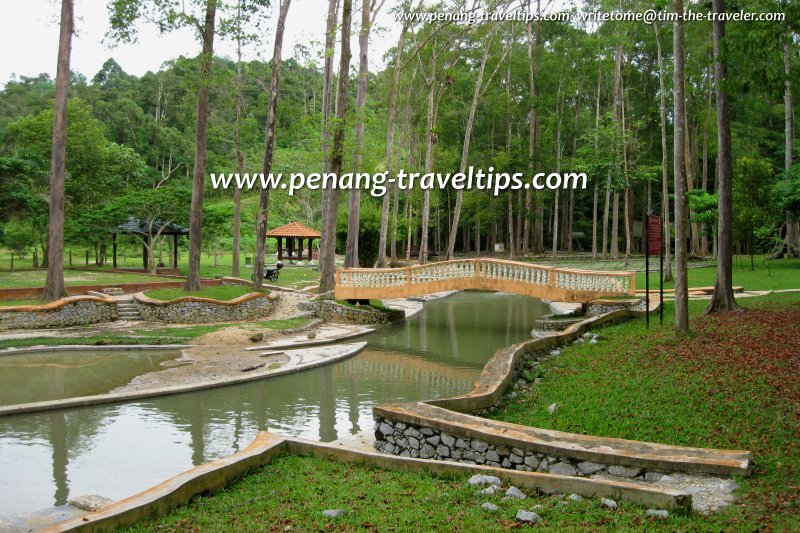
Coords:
545,282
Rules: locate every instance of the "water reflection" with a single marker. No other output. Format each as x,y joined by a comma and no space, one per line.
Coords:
117,450
54,376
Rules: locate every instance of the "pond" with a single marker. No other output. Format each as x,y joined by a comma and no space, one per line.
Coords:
38,377
116,450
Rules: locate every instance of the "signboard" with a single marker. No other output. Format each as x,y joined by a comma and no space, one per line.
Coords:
654,235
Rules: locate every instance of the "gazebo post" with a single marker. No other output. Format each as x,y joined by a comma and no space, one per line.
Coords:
280,248
291,248
114,248
175,250
310,248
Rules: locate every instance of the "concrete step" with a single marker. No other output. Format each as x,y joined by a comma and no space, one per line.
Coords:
128,310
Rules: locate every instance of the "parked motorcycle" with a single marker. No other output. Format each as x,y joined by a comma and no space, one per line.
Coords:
270,273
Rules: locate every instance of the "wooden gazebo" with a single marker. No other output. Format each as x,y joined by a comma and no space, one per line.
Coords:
294,234
144,231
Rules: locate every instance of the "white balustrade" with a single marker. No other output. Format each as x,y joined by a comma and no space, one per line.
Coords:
574,280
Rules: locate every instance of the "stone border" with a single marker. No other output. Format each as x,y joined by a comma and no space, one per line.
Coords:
522,447
212,476
333,311
65,312
199,310
92,348
82,401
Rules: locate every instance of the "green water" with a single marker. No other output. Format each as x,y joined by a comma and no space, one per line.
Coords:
119,449
57,375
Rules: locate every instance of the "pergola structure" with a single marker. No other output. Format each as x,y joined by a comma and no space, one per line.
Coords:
294,234
144,230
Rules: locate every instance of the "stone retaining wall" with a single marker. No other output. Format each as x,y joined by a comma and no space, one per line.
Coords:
191,310
554,323
332,311
406,440
601,307
70,311
451,428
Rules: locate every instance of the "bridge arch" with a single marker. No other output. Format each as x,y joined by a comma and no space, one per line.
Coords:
538,281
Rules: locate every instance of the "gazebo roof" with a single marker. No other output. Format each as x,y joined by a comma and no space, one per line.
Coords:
139,227
294,229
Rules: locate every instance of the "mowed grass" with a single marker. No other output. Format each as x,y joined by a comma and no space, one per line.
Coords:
20,302
220,292
760,276
19,279
294,276
290,494
732,384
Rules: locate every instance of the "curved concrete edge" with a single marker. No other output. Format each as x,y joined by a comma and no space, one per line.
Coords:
83,401
92,348
140,297
55,304
450,415
168,495
285,344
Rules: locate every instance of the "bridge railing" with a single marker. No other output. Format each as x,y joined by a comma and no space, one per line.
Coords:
493,274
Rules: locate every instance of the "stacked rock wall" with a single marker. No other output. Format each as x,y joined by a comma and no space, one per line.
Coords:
71,311
191,310
331,311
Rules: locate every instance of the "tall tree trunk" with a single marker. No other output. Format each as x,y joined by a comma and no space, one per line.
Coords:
615,227
559,108
390,151
426,194
681,285
667,237
54,286
792,240
478,234
619,119
532,72
237,193
354,213
269,145
706,139
329,194
476,96
689,160
328,266
596,186
606,212
200,152
511,244
722,299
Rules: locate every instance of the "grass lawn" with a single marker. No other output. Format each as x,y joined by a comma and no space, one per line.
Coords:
290,494
221,292
734,383
295,276
166,335
35,278
764,275
772,275
21,302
